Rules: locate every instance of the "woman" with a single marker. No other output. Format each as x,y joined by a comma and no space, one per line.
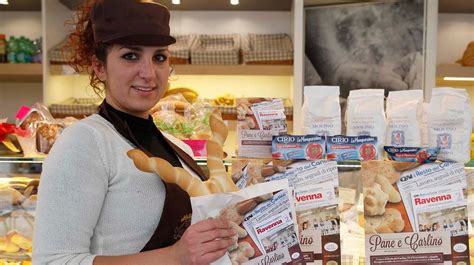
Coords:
94,206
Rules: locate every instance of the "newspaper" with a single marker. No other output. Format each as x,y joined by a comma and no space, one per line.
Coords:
318,220
258,120
440,208
264,211
309,172
216,205
270,115
316,207
317,216
315,195
242,181
428,176
276,232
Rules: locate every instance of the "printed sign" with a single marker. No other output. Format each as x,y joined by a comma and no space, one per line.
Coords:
415,214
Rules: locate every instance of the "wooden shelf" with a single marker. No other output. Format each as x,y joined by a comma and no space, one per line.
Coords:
240,69
32,72
454,70
194,69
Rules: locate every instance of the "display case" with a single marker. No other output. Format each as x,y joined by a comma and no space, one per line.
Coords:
19,180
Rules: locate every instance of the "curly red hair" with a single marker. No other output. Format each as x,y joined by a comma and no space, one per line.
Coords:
84,48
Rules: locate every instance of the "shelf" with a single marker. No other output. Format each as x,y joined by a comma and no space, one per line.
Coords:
454,70
21,159
194,69
241,69
440,82
199,161
32,72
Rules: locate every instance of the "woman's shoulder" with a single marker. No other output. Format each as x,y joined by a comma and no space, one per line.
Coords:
91,125
93,122
91,129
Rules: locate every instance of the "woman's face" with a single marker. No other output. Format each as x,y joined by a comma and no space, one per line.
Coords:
135,77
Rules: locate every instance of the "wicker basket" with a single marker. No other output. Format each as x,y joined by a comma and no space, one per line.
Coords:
75,107
59,54
267,49
216,49
180,51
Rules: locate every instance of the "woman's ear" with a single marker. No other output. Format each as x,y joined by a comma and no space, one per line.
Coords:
99,69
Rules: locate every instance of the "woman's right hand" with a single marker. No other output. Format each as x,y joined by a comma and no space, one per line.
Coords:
204,242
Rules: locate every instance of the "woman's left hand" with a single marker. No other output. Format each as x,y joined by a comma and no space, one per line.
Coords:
204,242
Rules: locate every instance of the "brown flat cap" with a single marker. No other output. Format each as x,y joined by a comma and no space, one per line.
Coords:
131,22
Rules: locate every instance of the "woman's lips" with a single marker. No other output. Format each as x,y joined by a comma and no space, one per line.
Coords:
144,88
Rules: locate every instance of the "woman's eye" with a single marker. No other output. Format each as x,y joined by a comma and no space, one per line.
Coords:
160,58
130,56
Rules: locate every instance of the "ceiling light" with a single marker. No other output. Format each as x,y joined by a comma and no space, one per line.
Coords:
175,2
3,2
448,78
234,2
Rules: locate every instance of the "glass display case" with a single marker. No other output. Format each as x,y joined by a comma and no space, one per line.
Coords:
19,180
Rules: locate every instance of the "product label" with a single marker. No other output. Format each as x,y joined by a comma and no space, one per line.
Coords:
412,154
342,148
294,147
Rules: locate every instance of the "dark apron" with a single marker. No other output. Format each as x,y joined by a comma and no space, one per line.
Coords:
176,214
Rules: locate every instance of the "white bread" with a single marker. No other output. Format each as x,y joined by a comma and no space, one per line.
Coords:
374,200
390,222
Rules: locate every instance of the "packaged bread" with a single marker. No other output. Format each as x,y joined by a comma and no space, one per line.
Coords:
46,135
43,130
174,102
176,116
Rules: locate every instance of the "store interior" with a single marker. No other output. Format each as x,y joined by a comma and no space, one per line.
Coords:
26,84
449,28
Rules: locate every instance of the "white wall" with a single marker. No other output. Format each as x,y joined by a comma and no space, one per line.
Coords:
455,31
13,95
26,24
55,19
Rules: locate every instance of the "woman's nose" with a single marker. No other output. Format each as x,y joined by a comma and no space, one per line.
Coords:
147,70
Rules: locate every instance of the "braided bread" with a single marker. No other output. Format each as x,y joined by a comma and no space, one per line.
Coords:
219,180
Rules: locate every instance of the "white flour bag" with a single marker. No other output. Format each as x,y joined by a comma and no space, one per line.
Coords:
404,118
450,124
321,110
365,114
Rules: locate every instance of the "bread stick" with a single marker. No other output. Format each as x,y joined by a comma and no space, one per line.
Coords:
219,180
